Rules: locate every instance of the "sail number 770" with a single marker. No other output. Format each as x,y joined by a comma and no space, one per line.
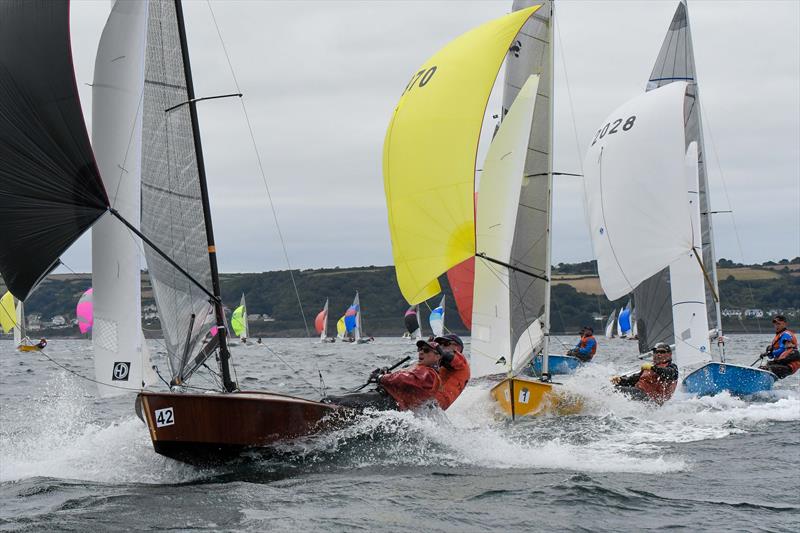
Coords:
421,78
614,127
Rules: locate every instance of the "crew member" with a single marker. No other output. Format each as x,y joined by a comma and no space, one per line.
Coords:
586,347
403,389
42,343
656,381
453,371
783,356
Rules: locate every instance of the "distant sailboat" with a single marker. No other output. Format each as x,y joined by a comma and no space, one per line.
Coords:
624,321
12,320
239,322
84,312
436,320
611,325
411,321
341,330
321,324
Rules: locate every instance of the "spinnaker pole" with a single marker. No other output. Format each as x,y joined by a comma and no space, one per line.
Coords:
224,352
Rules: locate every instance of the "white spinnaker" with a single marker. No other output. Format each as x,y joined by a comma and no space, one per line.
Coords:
612,320
117,141
687,284
495,222
19,328
638,215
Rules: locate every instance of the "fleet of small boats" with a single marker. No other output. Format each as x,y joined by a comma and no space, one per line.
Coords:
144,174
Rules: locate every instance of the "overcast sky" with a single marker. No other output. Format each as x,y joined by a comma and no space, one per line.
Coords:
321,80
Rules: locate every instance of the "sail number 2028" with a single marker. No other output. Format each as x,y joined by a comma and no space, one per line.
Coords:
421,78
614,127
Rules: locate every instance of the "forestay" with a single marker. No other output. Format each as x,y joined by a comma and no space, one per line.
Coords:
50,187
430,152
172,208
638,213
501,182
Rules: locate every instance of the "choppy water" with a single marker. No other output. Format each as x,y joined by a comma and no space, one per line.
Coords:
72,461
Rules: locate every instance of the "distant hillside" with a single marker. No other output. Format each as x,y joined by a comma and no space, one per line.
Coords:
749,294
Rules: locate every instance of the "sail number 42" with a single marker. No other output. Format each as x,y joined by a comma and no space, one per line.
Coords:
614,127
165,417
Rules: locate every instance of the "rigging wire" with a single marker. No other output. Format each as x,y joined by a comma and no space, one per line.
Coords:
261,169
577,146
704,111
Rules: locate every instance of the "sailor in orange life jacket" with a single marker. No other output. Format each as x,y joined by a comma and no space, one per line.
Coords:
586,347
453,371
782,354
403,389
657,380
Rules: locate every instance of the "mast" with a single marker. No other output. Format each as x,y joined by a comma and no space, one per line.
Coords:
551,84
224,353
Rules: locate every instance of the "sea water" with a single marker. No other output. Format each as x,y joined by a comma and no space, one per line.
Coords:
70,460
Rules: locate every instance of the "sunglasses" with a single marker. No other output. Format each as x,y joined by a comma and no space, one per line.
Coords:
425,350
445,343
661,351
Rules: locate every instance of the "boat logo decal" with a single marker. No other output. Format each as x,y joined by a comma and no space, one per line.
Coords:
524,395
165,417
121,371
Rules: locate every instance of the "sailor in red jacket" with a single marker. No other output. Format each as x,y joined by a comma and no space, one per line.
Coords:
784,359
657,380
453,371
403,389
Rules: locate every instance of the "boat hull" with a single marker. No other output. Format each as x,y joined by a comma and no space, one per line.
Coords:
211,428
715,378
520,396
557,364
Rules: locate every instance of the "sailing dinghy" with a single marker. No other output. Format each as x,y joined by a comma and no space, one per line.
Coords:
436,320
239,322
55,188
668,261
429,157
321,324
411,321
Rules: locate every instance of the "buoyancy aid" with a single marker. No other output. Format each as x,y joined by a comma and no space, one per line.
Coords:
453,380
411,388
659,382
585,341
790,357
777,346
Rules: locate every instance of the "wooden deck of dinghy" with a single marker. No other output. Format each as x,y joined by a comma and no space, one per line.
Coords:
211,428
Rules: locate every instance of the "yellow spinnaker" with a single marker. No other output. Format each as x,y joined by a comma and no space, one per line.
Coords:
429,155
8,315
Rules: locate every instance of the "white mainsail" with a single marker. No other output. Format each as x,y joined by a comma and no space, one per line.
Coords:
117,335
687,286
19,327
495,220
638,214
611,324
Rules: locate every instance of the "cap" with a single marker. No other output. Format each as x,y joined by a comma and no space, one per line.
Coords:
779,317
430,344
451,338
662,346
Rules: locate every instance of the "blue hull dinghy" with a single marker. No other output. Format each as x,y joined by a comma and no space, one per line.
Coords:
558,364
738,380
